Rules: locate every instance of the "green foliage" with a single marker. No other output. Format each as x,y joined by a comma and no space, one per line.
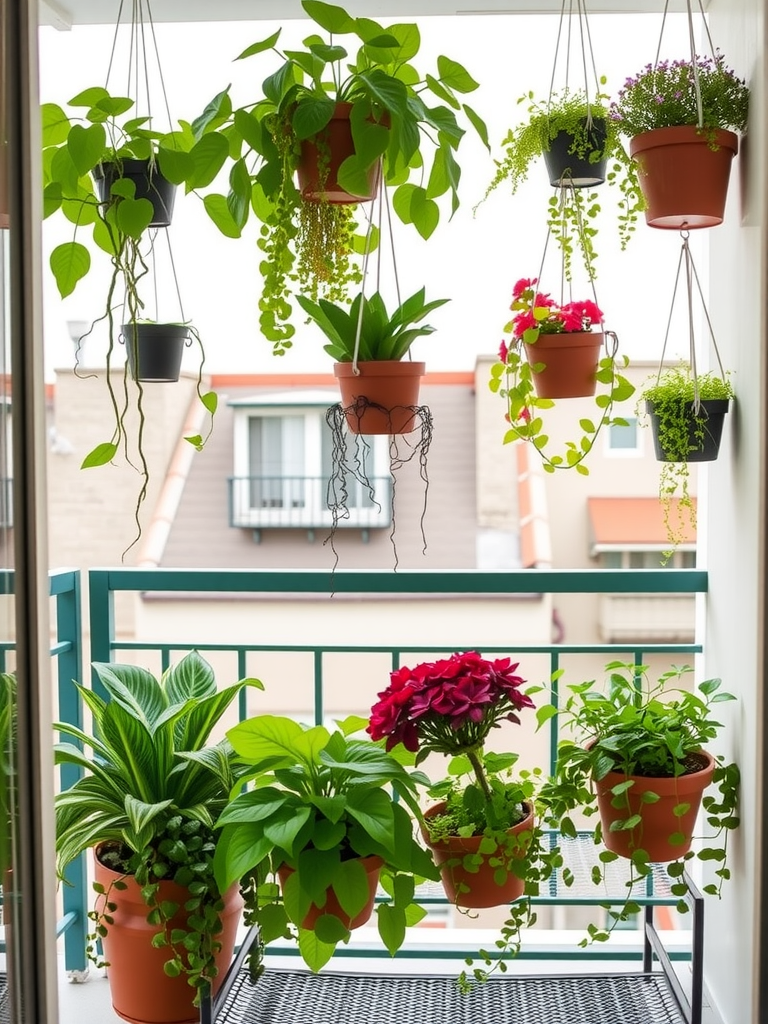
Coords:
152,789
381,336
321,800
681,431
392,123
8,740
636,727
573,214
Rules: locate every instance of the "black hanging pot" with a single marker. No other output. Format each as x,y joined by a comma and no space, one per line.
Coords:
567,168
154,351
704,431
150,184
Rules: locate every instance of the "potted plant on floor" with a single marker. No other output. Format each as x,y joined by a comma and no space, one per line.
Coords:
554,354
687,413
484,832
327,821
376,101
682,118
638,758
152,790
581,147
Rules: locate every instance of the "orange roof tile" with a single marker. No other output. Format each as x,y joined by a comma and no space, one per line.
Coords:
630,522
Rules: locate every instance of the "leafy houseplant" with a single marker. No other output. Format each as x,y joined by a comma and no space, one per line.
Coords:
327,814
639,749
392,126
115,177
591,140
152,790
483,833
687,417
549,339
682,117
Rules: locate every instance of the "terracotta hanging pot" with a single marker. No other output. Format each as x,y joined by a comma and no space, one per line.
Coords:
335,142
684,180
373,866
141,991
659,822
570,362
150,184
381,398
478,888
704,440
154,351
566,168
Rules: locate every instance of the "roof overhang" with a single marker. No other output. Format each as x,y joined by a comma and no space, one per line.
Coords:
638,524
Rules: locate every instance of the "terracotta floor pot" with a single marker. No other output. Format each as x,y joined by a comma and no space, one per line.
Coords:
483,889
700,449
570,364
684,180
659,822
372,867
380,399
338,138
141,991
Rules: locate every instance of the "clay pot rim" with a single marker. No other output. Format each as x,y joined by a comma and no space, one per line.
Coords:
435,809
381,367
704,756
682,133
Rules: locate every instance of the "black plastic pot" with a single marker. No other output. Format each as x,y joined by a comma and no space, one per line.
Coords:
700,449
565,168
154,351
150,184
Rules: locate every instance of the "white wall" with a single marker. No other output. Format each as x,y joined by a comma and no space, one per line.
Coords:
734,542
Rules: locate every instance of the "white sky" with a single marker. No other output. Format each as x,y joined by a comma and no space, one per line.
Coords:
473,260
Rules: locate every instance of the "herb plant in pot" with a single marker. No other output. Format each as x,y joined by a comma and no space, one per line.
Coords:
639,758
683,118
554,354
687,413
327,820
372,93
152,790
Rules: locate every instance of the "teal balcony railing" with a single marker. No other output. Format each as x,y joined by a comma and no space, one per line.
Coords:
301,502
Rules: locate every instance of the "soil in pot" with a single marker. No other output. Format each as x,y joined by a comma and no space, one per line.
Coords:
373,866
704,440
659,822
383,397
570,363
154,351
150,184
141,991
487,884
329,150
684,180
566,168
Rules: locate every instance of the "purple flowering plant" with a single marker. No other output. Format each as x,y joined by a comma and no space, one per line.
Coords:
664,96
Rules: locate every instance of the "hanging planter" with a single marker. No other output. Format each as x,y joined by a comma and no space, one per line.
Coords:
684,175
565,365
372,866
382,397
321,157
149,183
579,157
681,431
154,351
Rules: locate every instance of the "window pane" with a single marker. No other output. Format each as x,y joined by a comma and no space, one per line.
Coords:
623,437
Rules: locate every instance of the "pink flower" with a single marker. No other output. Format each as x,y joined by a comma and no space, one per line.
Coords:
503,350
523,285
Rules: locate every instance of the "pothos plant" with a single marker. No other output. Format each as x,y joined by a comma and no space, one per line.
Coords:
392,124
594,136
513,376
653,730
99,142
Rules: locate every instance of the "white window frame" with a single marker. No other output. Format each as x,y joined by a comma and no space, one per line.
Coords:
626,453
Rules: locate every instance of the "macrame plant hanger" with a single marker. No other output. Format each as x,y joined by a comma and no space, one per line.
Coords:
692,43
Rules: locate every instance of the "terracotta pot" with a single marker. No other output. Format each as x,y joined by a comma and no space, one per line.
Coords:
565,168
155,351
141,990
658,820
380,398
684,181
338,138
700,449
373,866
150,184
482,889
570,364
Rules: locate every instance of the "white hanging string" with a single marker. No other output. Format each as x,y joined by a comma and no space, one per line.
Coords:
587,52
692,43
366,256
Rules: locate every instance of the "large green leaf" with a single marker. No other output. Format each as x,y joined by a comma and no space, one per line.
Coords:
134,217
69,262
283,826
392,923
389,92
261,46
56,124
330,17
218,210
86,146
255,805
200,719
207,156
311,116
315,953
141,814
135,689
216,113
455,76
240,848
134,751
190,678
373,810
351,886
275,736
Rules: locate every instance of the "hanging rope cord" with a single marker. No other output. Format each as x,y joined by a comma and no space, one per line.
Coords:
585,39
691,275
141,16
692,43
383,203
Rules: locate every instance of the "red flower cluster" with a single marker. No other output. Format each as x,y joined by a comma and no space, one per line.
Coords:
540,312
448,705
